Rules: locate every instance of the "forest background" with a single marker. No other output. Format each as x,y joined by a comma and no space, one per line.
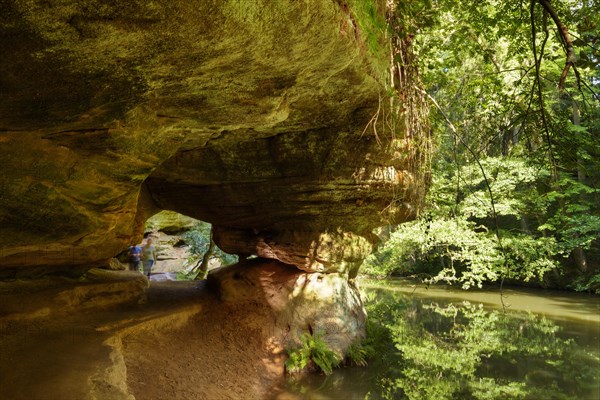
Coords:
513,88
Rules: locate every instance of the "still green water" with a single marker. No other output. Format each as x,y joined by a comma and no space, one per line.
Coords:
445,343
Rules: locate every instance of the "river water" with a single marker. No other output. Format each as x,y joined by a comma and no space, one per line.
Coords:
441,342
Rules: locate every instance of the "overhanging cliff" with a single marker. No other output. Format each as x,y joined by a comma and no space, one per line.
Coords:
272,120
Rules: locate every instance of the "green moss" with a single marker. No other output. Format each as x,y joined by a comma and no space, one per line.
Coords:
370,17
57,219
257,12
169,222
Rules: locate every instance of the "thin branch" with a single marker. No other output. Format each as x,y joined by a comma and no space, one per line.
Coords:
373,122
528,110
594,48
565,40
538,62
487,184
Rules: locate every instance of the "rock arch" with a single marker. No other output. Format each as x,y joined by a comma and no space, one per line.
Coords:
272,120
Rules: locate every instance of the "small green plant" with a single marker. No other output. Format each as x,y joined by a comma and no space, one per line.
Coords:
315,350
359,353
297,359
589,284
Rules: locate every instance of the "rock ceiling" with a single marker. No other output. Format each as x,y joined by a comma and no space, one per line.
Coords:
247,115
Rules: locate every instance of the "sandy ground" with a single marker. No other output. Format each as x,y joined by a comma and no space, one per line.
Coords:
222,352
183,343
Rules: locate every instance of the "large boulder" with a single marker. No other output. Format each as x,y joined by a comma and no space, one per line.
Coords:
169,222
323,305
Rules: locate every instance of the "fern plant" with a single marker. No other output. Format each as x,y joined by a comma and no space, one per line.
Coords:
315,350
359,353
297,359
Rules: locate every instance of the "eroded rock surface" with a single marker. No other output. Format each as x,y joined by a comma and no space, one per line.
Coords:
181,343
97,289
327,305
256,116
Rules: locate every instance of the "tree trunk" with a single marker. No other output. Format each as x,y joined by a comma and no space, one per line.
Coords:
578,252
204,265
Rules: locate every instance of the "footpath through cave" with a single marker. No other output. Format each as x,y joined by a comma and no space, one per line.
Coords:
176,341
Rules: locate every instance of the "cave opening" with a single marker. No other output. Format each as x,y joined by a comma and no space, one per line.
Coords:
184,249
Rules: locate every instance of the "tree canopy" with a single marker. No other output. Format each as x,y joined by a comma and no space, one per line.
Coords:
514,90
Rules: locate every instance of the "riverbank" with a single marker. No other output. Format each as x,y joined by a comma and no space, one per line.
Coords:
562,304
441,342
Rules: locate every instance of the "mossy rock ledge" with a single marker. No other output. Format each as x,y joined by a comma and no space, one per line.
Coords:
270,119
249,115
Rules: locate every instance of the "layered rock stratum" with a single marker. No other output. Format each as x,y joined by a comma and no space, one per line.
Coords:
259,117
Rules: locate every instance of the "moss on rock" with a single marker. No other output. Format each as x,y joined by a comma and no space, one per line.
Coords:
250,115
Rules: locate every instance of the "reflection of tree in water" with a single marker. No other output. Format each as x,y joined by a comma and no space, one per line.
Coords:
462,351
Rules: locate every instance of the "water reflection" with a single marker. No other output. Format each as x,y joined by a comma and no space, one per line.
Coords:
440,348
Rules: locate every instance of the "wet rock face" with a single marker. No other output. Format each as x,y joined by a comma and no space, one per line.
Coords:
250,115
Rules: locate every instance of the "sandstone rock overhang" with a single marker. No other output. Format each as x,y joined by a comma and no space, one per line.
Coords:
257,116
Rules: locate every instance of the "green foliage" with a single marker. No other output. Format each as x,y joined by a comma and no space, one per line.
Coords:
298,359
359,352
449,250
198,238
587,284
573,219
313,349
455,241
371,25
539,148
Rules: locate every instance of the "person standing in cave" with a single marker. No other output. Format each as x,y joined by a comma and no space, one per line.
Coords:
135,253
148,257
